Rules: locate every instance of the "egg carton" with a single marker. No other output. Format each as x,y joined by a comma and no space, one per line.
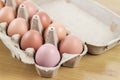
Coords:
27,56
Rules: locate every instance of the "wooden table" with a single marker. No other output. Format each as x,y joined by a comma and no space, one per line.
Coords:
102,67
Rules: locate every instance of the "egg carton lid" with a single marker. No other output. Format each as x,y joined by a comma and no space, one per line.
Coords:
96,25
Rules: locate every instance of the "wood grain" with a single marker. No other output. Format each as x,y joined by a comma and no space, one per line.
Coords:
102,67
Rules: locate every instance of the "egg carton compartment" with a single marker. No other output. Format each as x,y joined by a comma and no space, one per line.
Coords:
27,55
96,25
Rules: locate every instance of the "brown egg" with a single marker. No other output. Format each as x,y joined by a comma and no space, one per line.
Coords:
1,4
60,30
45,19
7,14
18,2
17,26
31,39
31,8
71,44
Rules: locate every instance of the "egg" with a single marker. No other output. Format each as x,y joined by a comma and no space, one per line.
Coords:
17,26
7,14
45,19
31,8
18,2
31,39
71,45
60,30
47,56
1,4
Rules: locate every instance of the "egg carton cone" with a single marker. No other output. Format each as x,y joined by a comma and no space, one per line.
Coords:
11,3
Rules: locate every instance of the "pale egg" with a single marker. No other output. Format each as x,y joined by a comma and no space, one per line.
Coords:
47,56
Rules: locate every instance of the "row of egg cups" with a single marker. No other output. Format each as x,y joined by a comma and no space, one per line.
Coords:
27,55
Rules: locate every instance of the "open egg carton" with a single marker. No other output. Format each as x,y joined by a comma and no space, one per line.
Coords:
27,55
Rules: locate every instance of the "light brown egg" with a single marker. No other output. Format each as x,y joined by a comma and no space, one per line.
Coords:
71,45
45,19
18,2
1,4
17,26
60,30
7,14
31,8
31,39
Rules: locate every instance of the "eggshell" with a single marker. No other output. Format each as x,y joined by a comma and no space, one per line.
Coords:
60,30
71,44
1,4
31,8
18,2
7,14
45,19
17,26
31,39
47,56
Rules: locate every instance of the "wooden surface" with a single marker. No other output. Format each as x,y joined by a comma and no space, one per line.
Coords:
102,67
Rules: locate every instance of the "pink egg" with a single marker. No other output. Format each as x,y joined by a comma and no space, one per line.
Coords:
47,56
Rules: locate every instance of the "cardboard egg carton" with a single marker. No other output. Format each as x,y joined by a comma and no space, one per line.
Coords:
27,55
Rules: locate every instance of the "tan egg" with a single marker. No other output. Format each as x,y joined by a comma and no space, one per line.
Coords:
1,4
60,30
7,14
18,2
45,19
17,26
71,44
31,8
31,39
